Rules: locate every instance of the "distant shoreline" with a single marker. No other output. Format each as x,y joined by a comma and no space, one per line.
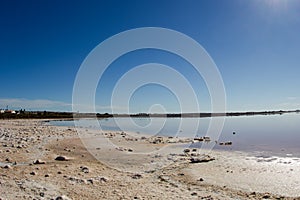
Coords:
71,115
202,115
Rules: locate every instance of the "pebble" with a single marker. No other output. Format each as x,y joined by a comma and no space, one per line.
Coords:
194,194
186,150
7,167
63,197
61,158
136,176
32,173
91,181
266,196
103,179
84,169
39,162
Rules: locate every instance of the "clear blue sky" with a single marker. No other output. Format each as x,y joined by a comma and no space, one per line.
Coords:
255,44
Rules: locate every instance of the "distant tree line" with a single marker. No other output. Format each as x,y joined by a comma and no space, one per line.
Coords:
22,114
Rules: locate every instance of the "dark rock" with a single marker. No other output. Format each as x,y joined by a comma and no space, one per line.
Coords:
61,158
136,176
7,167
39,162
228,143
63,197
84,169
266,196
103,179
32,173
186,150
194,194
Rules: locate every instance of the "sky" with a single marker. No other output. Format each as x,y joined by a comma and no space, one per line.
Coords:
255,45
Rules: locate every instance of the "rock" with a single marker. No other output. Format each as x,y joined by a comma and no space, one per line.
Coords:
201,179
91,181
186,150
103,179
32,173
63,197
84,169
7,167
61,158
66,149
201,159
130,150
194,194
228,143
266,196
136,176
47,175
163,178
39,162
225,143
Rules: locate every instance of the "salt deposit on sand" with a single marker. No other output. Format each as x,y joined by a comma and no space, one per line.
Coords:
136,167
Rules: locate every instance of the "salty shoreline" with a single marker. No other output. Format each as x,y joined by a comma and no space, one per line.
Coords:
134,168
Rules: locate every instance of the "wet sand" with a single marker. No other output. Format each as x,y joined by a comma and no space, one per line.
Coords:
134,167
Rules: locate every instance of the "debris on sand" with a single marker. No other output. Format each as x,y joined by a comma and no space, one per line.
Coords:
225,143
201,159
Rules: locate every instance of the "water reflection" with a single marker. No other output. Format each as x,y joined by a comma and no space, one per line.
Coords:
274,134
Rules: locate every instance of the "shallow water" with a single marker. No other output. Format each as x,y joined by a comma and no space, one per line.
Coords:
272,135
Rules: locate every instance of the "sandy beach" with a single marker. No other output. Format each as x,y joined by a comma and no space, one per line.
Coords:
40,161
